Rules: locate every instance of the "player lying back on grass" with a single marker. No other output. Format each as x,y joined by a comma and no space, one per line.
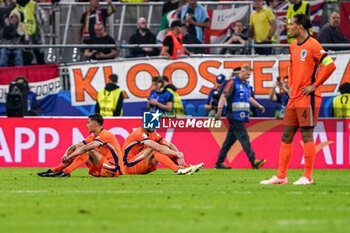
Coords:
144,148
100,152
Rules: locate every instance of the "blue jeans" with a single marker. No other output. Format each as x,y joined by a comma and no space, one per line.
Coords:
5,54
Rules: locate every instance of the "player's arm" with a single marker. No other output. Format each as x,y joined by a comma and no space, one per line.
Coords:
73,148
170,145
82,149
327,67
256,104
162,149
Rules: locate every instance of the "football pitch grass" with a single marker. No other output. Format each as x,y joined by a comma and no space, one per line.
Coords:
209,201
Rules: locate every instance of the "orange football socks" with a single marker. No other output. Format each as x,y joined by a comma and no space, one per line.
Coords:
309,158
165,160
286,152
77,162
60,167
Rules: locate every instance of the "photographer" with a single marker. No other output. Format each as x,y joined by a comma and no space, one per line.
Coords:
282,97
214,95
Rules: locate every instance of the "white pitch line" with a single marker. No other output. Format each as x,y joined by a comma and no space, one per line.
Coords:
88,191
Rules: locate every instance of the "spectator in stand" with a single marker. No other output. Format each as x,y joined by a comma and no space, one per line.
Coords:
167,19
92,16
110,99
272,5
34,108
172,44
143,36
341,104
188,38
169,6
101,37
14,33
5,10
178,108
214,96
195,17
33,18
297,6
237,37
262,27
160,99
282,97
330,33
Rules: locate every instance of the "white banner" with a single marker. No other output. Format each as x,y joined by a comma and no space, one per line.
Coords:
222,19
194,77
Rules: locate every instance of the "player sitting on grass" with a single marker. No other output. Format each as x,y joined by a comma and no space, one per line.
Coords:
99,152
144,148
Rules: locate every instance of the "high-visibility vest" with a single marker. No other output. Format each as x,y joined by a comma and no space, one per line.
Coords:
29,19
341,106
108,101
291,13
178,108
177,45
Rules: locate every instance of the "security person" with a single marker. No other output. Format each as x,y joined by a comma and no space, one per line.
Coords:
297,6
237,95
110,99
341,104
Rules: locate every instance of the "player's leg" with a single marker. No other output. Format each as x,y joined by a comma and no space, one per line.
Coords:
226,146
309,155
102,166
166,161
286,149
308,116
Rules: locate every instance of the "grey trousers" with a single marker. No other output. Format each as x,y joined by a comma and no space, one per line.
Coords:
237,131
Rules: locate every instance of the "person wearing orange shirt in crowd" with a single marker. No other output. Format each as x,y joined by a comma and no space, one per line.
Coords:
100,152
172,43
310,66
144,148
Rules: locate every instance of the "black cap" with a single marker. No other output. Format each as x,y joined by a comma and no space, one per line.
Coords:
176,23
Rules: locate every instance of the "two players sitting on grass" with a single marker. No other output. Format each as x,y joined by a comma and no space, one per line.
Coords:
101,152
144,148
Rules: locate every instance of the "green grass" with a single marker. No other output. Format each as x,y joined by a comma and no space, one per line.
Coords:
209,201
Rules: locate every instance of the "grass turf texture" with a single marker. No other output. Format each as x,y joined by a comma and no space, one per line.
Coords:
209,201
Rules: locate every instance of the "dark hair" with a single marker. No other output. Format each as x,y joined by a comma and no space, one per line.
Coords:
304,20
285,77
268,1
165,78
113,78
96,117
25,81
157,79
345,88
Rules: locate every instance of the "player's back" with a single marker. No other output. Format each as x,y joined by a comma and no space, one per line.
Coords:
111,147
305,58
133,143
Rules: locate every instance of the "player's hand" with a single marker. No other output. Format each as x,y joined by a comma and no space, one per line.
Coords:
307,90
64,158
180,155
181,161
262,108
217,116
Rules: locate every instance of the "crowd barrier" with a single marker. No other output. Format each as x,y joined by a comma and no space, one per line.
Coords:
41,142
